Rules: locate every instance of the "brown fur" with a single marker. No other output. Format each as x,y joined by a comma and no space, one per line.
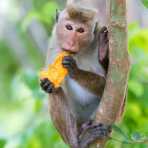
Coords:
83,14
60,113
66,110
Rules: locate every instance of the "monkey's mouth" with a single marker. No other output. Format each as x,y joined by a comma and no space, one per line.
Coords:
70,51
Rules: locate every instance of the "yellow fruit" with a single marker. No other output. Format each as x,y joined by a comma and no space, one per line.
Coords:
56,72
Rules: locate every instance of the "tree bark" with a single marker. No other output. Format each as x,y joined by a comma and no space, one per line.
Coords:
116,84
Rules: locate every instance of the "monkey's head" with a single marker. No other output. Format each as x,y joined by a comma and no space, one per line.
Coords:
75,28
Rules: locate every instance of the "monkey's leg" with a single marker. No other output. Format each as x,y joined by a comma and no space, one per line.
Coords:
92,133
60,113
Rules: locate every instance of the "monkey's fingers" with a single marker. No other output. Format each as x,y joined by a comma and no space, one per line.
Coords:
103,29
69,63
46,85
103,44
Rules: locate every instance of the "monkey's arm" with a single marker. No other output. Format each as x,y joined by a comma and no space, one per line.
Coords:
60,113
92,82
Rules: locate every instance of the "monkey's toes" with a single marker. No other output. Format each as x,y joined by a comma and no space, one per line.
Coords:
92,133
85,125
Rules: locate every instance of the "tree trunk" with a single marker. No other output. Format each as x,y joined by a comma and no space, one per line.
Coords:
116,84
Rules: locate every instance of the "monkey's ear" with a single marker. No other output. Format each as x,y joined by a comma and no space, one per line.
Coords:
57,15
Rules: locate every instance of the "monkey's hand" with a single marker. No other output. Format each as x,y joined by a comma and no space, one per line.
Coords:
103,48
47,86
70,64
103,43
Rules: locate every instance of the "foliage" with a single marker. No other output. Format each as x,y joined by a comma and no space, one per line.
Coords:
145,2
25,122
42,14
2,143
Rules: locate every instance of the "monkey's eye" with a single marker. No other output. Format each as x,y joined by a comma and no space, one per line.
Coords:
69,27
81,30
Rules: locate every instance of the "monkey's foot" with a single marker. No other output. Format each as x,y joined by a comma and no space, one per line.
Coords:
85,125
47,86
92,133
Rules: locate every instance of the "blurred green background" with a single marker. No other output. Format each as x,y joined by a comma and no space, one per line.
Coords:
25,28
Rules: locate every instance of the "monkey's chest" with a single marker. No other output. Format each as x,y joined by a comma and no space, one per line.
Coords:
91,64
82,102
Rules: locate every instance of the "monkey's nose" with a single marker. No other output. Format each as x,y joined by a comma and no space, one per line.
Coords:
71,44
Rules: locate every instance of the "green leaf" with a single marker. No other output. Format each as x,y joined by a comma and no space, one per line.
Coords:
119,131
2,143
136,88
138,41
45,15
30,78
145,3
38,105
29,18
49,9
136,136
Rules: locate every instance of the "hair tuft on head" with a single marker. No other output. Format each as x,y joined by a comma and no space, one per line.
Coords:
81,13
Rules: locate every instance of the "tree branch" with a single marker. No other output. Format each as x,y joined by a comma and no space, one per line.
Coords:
115,90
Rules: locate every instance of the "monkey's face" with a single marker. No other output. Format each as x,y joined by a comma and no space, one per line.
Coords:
74,35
